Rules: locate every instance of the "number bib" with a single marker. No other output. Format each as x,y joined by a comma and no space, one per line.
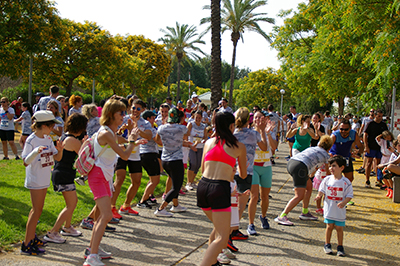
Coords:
262,156
335,193
135,149
5,123
46,159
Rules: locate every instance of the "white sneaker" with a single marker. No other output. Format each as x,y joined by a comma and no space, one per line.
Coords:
229,253
103,254
163,213
93,260
70,231
178,208
223,259
189,187
54,238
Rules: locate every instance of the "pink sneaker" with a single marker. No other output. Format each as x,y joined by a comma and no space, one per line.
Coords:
181,192
283,220
319,211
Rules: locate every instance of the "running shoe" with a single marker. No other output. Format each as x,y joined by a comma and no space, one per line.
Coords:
143,205
128,211
217,264
229,253
103,254
181,192
17,158
378,183
54,238
373,173
114,221
110,229
340,251
87,224
31,249
283,220
189,187
308,216
178,208
223,259
319,211
328,249
93,260
237,235
264,222
232,247
272,161
38,242
115,213
251,230
163,213
71,231
360,169
367,184
152,200
6,158
350,203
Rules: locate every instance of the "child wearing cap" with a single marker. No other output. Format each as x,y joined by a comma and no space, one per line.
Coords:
39,154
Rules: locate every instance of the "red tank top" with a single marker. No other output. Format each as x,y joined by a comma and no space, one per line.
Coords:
218,154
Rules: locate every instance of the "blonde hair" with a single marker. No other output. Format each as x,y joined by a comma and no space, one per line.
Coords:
55,104
74,99
301,119
241,117
87,110
325,142
5,99
387,133
110,108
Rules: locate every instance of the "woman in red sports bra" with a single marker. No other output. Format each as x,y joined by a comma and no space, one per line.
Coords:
213,191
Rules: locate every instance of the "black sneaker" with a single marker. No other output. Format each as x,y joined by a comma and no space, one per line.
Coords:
110,229
31,249
38,242
144,205
6,158
272,161
340,251
328,249
373,173
114,221
17,158
367,184
237,235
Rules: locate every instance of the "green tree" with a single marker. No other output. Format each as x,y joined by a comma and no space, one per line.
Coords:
237,17
85,51
182,40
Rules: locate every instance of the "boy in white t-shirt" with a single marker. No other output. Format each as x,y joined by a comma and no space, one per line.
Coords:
338,192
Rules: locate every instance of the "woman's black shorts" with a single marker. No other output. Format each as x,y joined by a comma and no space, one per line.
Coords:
150,163
134,166
214,194
299,172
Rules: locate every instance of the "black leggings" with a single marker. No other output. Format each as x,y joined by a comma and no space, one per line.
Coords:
176,171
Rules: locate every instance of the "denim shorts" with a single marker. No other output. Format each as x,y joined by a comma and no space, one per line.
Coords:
64,187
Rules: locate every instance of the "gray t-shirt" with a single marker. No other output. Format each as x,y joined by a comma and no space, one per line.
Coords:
93,126
151,145
26,122
197,134
5,123
312,157
172,139
44,100
249,138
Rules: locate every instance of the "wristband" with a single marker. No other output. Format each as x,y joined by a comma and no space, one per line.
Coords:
132,142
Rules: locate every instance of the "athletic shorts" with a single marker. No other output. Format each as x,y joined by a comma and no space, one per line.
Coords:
159,154
7,135
150,163
292,139
374,154
64,187
134,166
299,173
213,194
98,184
243,184
337,223
262,176
348,168
25,134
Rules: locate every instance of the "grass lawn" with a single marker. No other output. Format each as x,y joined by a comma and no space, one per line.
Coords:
15,202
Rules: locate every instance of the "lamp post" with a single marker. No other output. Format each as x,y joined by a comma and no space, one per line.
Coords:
282,91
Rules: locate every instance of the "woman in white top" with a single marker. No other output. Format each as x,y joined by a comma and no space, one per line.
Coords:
111,118
7,128
58,129
197,134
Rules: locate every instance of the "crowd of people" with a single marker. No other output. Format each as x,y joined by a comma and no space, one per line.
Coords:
233,150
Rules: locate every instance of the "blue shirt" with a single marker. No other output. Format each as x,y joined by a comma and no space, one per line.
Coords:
342,146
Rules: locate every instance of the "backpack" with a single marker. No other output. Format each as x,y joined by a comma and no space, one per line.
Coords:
86,157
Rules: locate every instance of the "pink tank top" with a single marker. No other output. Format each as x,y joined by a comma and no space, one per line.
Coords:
218,154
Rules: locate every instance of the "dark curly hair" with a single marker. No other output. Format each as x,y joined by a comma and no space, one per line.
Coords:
76,123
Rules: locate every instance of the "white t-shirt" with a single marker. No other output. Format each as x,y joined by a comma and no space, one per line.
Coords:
38,173
335,191
5,123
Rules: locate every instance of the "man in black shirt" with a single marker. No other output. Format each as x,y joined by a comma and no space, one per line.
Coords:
372,149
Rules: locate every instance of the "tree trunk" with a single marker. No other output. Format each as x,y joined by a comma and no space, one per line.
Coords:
178,70
341,105
133,88
216,75
169,86
235,38
68,88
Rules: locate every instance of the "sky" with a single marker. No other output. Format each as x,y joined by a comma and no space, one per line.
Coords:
147,17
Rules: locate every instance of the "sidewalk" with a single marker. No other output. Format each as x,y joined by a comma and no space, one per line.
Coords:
372,234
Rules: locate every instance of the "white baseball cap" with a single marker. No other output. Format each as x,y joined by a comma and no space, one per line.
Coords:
45,116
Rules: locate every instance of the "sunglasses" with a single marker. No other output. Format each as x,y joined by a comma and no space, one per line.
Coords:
2,102
123,113
134,108
344,129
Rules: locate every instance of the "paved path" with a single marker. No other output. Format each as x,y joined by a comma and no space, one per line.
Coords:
372,235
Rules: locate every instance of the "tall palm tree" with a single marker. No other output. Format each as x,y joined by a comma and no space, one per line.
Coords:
237,16
216,73
181,40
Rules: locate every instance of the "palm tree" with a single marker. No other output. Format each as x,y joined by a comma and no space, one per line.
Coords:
216,75
238,16
180,40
